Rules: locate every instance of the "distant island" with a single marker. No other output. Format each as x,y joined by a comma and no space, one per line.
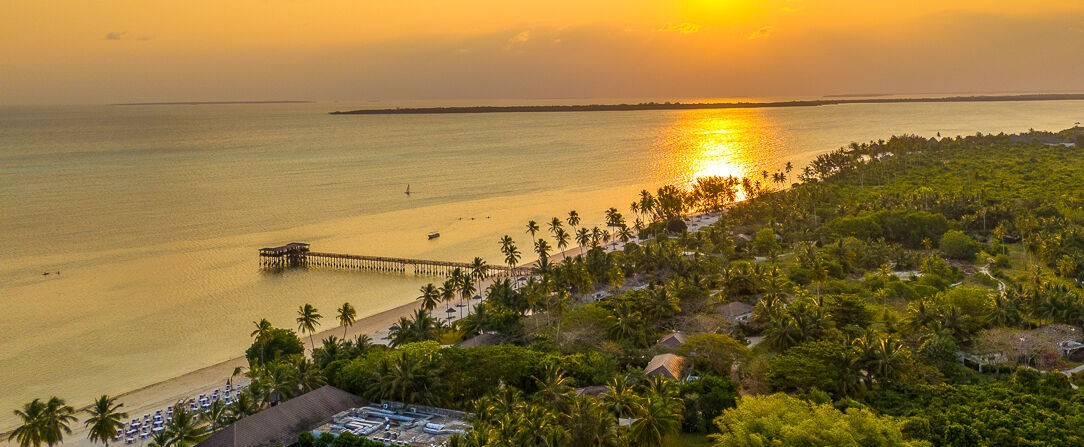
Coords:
206,103
690,106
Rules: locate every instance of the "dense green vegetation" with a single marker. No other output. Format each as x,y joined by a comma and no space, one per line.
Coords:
904,292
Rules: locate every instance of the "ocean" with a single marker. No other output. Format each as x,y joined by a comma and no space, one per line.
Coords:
148,218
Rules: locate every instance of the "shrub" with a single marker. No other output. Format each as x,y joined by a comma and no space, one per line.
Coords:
957,245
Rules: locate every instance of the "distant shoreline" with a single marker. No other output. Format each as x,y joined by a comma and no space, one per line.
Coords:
206,103
693,106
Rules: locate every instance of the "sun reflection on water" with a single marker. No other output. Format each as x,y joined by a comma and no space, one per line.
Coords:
739,143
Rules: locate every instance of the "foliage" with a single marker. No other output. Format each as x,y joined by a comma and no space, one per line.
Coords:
779,419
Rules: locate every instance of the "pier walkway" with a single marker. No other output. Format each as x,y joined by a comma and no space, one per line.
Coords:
297,254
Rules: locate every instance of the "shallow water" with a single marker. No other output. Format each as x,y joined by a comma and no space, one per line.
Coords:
153,214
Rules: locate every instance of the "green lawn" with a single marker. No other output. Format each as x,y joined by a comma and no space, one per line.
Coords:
687,439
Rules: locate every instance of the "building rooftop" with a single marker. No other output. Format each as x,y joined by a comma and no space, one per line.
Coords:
672,340
396,423
668,365
280,425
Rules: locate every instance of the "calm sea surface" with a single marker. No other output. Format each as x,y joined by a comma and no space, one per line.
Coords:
153,214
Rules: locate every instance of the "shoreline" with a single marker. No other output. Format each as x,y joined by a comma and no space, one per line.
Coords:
166,392
695,106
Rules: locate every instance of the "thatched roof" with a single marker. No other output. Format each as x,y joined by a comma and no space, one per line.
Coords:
668,365
672,340
281,424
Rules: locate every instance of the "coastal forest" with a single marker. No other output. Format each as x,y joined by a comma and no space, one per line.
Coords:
912,291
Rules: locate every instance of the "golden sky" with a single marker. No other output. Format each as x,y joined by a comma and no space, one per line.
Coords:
91,51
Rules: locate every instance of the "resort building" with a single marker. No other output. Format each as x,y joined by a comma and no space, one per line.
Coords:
666,365
280,425
396,423
671,341
735,312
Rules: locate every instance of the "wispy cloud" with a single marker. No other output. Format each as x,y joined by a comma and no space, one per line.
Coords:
519,38
682,28
764,31
123,35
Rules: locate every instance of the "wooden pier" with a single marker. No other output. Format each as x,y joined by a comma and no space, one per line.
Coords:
297,254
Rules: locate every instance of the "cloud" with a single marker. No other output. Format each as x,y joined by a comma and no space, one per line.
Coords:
764,31
123,35
520,38
682,28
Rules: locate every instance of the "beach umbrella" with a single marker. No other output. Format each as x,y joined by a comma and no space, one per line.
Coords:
450,310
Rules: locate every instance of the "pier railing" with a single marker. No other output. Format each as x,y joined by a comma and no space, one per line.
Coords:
298,255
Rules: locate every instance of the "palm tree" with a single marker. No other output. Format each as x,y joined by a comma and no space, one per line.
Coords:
542,248
479,271
29,433
215,414
573,220
562,239
307,320
56,420
430,297
260,334
583,237
105,419
466,291
185,428
161,439
532,228
555,224
620,398
511,256
347,316
656,419
448,289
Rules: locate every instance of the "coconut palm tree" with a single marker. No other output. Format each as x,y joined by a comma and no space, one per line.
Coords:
479,271
347,317
29,432
307,320
542,248
656,419
511,256
466,291
161,439
185,428
105,419
573,220
309,376
260,334
583,237
56,420
555,224
215,415
620,398
562,239
449,288
624,234
430,296
532,228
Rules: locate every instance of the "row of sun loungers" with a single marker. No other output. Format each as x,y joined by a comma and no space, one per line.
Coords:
140,429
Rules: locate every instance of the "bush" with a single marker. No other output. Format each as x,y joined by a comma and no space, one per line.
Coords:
1002,261
281,343
957,245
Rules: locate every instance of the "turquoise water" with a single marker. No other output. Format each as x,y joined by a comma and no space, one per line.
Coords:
153,214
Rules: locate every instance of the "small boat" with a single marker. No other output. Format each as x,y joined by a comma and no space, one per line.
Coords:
433,235
407,189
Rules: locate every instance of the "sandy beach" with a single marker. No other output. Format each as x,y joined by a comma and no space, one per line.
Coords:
167,392
148,399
